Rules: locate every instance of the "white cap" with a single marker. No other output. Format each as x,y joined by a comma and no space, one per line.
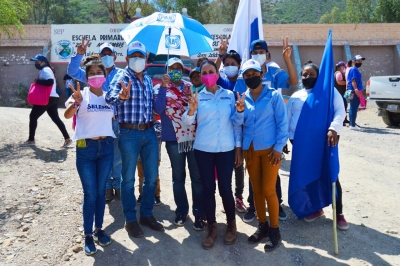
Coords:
251,64
174,60
136,47
358,57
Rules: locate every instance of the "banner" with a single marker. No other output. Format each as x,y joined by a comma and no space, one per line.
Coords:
66,38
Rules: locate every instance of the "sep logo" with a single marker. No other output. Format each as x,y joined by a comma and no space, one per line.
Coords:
173,41
64,49
166,18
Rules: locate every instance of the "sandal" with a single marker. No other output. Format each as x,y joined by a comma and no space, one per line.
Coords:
67,142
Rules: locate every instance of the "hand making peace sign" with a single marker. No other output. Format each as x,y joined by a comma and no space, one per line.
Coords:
240,102
193,101
83,46
287,49
126,90
76,95
222,49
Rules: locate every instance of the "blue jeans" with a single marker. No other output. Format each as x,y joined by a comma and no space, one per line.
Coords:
132,143
114,181
178,165
94,164
354,103
224,162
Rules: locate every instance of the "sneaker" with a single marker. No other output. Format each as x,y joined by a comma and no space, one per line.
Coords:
274,237
314,216
180,220
67,142
262,232
199,224
355,128
133,229
139,200
240,205
28,143
90,247
101,237
342,224
109,194
157,201
282,214
152,223
346,121
248,217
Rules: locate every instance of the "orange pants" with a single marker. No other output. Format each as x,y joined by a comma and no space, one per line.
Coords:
263,177
141,178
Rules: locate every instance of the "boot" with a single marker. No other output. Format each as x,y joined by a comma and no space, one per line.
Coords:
261,233
230,234
274,237
209,240
109,194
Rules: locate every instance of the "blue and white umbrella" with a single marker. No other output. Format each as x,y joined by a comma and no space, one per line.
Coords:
169,33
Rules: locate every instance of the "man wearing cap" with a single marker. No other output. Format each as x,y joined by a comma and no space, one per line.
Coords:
131,91
341,84
107,55
262,113
354,83
171,101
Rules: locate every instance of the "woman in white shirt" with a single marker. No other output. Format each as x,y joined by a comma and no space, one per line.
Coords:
94,150
45,78
215,146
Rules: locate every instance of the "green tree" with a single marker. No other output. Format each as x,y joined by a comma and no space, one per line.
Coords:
358,11
221,12
195,8
11,14
121,11
334,17
387,11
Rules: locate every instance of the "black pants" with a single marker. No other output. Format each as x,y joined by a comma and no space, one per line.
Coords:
250,199
239,181
38,110
339,203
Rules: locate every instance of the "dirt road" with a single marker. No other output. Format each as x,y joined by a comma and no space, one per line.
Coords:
41,197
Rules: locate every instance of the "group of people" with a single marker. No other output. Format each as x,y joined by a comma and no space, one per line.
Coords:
213,124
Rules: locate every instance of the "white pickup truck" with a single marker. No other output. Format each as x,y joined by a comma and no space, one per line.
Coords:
385,92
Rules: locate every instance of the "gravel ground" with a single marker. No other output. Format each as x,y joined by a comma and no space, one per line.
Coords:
41,197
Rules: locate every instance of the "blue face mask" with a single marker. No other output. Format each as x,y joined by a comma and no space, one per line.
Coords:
199,88
108,61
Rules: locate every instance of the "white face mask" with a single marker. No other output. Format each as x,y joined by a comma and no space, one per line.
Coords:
260,58
231,71
137,64
108,61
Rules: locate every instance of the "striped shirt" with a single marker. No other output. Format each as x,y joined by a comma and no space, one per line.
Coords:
138,109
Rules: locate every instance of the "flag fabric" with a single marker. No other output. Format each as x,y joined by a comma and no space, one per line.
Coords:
246,28
315,165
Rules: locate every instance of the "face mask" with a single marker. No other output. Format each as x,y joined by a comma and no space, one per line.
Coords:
358,65
199,88
253,82
309,83
38,67
260,58
96,81
137,64
231,71
108,61
175,75
209,80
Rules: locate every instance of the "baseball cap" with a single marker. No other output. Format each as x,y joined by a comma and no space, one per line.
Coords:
341,63
172,61
258,44
136,47
197,69
358,57
40,57
251,64
106,45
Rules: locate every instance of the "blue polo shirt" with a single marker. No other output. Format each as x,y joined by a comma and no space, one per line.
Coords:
226,83
354,73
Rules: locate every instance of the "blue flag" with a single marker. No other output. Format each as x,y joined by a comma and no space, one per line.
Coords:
315,165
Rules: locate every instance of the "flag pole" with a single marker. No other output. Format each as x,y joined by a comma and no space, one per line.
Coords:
168,43
335,239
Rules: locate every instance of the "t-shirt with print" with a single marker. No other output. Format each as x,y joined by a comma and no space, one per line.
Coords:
94,117
45,74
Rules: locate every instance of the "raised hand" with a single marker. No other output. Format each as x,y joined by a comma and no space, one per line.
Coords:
222,49
287,49
83,46
193,101
240,102
125,93
76,95
165,81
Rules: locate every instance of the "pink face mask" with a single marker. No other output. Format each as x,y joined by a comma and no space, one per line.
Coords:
96,81
209,80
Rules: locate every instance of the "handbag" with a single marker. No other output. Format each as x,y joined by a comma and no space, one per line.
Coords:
39,94
363,103
347,94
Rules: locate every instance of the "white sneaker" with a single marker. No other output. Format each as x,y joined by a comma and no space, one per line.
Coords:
355,128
